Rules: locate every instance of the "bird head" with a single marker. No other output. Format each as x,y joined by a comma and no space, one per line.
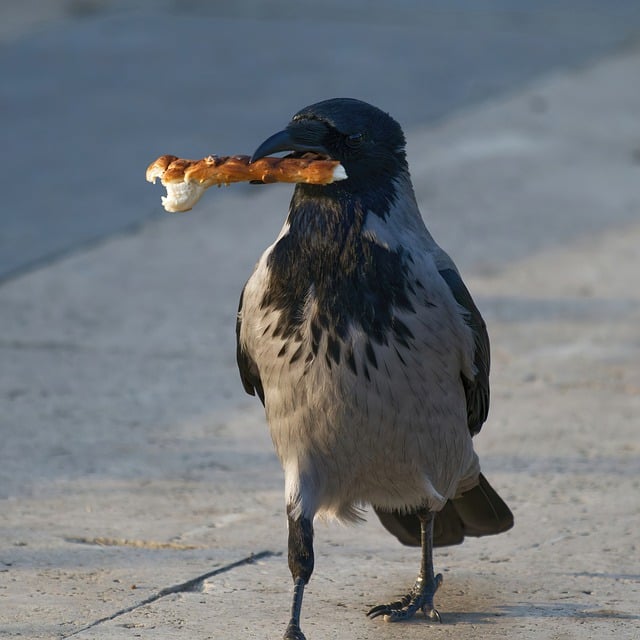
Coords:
368,142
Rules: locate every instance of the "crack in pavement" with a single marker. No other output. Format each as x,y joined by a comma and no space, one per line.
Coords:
102,541
183,587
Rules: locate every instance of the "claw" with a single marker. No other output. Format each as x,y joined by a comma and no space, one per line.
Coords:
420,598
378,611
398,615
386,609
433,615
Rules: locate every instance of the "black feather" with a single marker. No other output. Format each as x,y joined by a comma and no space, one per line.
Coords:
477,512
246,365
476,390
352,278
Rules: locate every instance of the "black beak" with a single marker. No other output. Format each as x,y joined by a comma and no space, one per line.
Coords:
298,136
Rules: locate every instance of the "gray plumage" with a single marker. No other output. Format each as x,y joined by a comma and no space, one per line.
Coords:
363,343
395,439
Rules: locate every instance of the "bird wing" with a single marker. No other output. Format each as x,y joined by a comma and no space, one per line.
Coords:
479,511
476,390
248,369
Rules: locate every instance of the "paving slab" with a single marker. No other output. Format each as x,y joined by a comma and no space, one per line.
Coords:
132,462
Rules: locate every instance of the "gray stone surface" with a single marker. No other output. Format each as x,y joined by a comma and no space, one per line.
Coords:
131,460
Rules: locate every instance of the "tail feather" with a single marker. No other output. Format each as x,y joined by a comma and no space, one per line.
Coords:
477,512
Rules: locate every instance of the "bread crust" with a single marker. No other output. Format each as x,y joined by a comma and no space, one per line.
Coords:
186,180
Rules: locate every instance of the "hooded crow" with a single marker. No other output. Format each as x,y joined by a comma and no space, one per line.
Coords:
360,338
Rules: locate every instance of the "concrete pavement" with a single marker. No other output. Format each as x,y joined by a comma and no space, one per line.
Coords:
132,462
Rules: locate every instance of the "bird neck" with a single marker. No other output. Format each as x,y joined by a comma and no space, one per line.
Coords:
342,203
324,216
328,250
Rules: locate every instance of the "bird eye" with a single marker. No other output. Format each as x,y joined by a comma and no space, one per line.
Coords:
355,139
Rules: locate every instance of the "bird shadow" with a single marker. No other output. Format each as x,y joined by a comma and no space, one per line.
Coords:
542,610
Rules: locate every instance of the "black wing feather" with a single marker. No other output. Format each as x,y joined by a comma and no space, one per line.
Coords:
476,390
246,365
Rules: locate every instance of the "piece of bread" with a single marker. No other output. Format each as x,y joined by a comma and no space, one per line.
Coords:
186,180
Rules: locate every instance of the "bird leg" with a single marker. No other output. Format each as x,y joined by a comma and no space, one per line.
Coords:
301,567
421,595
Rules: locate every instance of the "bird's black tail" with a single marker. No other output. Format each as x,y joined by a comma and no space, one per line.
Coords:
477,512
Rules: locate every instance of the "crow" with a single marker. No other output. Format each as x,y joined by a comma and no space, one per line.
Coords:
369,355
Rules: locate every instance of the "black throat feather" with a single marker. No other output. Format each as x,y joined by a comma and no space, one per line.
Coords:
354,279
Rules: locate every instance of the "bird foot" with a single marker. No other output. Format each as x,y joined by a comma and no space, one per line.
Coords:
293,632
419,598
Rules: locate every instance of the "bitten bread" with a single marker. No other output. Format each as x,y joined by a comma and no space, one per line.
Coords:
186,180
